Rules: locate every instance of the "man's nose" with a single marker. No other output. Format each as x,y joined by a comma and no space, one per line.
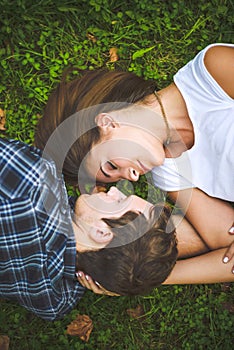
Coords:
114,192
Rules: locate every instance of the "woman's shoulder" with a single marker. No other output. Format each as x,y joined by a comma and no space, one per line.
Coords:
219,62
212,71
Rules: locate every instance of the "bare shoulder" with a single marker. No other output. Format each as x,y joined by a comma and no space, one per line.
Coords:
219,61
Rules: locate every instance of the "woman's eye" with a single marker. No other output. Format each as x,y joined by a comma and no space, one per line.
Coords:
107,168
110,166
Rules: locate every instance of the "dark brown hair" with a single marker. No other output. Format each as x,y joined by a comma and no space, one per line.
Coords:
103,90
137,267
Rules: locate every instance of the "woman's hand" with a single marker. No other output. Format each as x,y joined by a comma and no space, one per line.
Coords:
87,282
229,254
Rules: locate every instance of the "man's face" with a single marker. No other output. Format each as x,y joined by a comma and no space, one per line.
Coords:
90,230
111,204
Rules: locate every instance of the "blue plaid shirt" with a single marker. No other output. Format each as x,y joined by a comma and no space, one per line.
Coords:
37,246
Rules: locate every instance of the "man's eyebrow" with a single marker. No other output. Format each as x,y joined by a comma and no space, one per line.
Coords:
105,174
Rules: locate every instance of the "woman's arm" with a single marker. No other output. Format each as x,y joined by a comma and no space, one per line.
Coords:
189,243
206,268
200,265
210,217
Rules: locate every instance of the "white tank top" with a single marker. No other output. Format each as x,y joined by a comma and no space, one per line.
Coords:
209,164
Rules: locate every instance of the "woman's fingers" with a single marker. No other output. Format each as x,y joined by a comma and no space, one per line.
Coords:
231,231
87,282
106,292
229,254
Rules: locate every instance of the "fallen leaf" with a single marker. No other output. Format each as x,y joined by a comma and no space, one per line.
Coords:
113,54
91,37
137,312
229,307
82,326
226,286
99,188
2,119
4,342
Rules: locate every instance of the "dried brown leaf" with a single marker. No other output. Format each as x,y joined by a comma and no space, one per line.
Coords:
229,307
99,188
2,119
82,327
113,54
4,342
137,312
226,286
91,37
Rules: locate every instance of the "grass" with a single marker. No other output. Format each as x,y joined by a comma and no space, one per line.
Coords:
38,40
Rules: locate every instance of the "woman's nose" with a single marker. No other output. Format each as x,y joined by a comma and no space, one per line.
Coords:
133,174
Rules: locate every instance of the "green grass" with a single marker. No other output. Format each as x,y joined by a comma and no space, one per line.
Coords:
38,40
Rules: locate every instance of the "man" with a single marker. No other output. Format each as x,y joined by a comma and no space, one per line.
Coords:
43,244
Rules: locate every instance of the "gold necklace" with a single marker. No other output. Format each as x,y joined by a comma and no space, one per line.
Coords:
168,140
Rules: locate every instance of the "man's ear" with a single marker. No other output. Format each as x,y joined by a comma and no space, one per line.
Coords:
101,236
105,120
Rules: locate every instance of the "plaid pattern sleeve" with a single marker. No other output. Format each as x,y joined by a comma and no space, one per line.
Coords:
37,247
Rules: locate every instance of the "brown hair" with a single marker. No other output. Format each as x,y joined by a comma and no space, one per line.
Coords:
102,89
137,267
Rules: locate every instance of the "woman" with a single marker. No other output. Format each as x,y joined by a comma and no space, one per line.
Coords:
183,133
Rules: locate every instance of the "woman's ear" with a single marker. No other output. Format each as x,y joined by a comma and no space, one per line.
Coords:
105,120
101,236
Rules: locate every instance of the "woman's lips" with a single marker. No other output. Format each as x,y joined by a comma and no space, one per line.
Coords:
145,170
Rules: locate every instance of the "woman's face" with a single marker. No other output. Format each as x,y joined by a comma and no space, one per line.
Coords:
124,152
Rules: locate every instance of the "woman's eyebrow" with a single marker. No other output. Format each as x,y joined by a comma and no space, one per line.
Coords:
104,173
